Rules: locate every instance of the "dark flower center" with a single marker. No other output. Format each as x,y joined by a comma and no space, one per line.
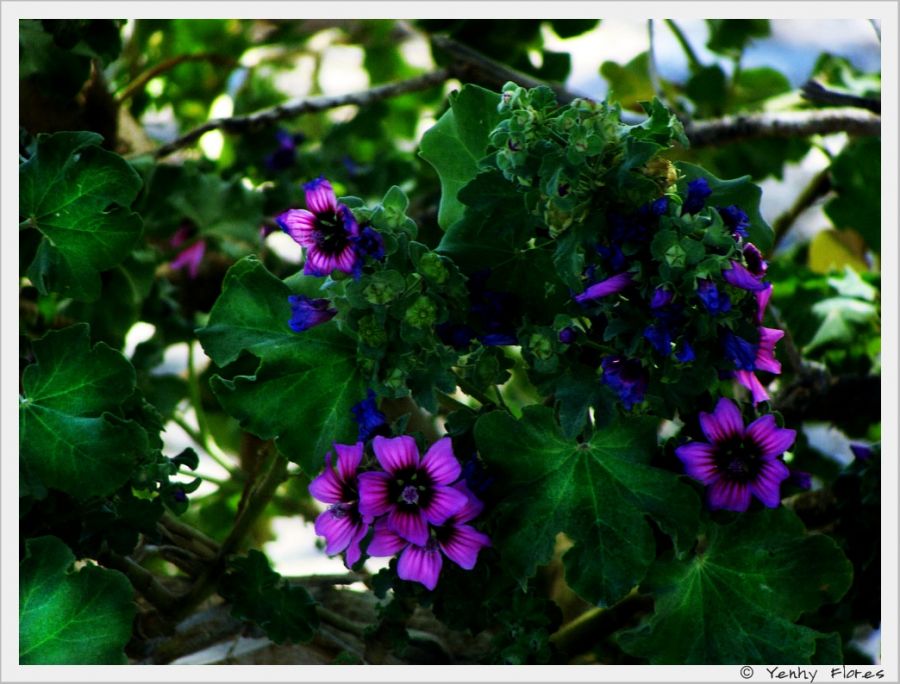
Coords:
339,510
411,489
331,236
738,459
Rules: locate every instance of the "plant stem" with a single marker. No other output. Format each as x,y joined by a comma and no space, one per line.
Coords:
818,187
210,448
693,61
451,403
473,391
340,622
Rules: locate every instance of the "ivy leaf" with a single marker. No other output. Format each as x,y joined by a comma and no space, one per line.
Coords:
77,195
70,618
70,435
739,191
457,142
259,594
737,600
310,375
598,493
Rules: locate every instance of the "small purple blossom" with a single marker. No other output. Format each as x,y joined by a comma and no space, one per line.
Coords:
567,335
736,220
738,275
659,337
307,313
754,259
737,463
661,297
612,285
762,301
455,539
369,244
412,492
190,257
285,154
739,351
326,229
862,452
370,420
764,360
343,525
684,352
626,377
697,192
715,302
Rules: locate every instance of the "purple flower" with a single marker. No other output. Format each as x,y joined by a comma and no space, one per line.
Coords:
612,285
698,191
567,335
455,539
411,492
660,338
626,377
369,243
736,220
190,257
307,313
862,452
738,462
739,276
755,262
715,302
661,297
326,230
285,154
371,421
762,301
764,360
739,351
684,352
343,525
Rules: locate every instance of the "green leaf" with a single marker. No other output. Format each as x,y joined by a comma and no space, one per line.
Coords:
69,432
856,178
312,374
598,493
629,84
730,36
70,618
259,594
77,195
754,86
739,191
736,600
457,142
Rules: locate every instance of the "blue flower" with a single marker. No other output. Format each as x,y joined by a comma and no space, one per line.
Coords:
715,302
626,377
736,220
698,191
659,337
567,335
661,297
307,313
371,421
684,352
369,243
740,351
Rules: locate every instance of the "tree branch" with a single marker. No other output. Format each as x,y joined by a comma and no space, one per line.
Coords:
148,75
266,117
814,91
818,187
740,127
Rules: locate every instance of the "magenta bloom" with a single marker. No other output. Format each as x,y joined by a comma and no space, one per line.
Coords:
190,257
411,492
762,301
307,313
327,230
612,285
342,525
738,462
765,361
739,276
456,539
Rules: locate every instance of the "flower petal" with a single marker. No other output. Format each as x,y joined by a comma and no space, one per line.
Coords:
327,486
373,494
740,277
462,545
762,301
473,506
348,459
190,258
421,565
338,527
729,495
320,196
396,453
385,542
445,501
724,422
300,225
698,461
616,283
767,485
353,551
318,263
771,439
345,261
765,352
749,380
440,463
411,525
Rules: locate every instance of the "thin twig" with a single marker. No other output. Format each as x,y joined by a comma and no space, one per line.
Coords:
730,129
141,579
340,622
818,187
266,117
814,91
693,61
148,75
655,82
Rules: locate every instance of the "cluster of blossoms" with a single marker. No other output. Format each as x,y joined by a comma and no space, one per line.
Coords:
689,288
418,507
